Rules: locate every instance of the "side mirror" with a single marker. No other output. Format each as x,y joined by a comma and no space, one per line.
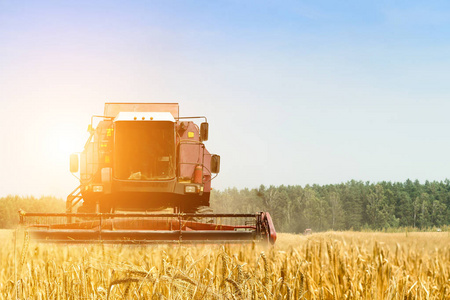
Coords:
204,131
215,163
74,163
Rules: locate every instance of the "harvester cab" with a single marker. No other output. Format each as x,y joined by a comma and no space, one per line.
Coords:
141,159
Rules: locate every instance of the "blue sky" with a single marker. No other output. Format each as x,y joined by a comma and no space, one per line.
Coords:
296,92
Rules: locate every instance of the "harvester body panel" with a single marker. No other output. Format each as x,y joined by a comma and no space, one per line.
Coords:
151,156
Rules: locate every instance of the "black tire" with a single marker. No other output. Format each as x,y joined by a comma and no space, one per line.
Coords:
199,210
204,210
89,207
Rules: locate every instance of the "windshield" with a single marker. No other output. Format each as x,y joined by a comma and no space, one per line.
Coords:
144,150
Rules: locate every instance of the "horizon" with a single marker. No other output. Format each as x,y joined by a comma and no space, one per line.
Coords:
257,187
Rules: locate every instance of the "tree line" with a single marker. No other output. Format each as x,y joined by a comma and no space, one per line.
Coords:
354,205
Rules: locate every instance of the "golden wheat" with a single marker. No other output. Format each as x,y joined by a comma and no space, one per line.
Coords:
333,265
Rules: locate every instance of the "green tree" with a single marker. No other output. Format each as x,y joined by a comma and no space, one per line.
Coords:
315,211
336,210
438,211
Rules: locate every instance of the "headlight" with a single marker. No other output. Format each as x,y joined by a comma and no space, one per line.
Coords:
190,189
97,188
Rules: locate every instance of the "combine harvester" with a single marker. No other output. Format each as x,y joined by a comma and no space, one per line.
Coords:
143,158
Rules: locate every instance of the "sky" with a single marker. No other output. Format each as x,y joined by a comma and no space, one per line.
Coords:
296,92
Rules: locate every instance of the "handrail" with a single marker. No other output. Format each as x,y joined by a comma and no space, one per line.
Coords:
185,118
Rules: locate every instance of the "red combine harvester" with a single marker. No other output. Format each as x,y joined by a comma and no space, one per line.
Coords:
141,159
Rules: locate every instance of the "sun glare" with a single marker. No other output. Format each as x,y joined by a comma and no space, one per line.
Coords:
61,142
65,146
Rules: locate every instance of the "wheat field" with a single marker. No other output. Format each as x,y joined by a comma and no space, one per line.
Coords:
332,265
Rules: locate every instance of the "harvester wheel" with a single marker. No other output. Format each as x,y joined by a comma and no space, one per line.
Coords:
88,207
204,210
85,208
200,210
